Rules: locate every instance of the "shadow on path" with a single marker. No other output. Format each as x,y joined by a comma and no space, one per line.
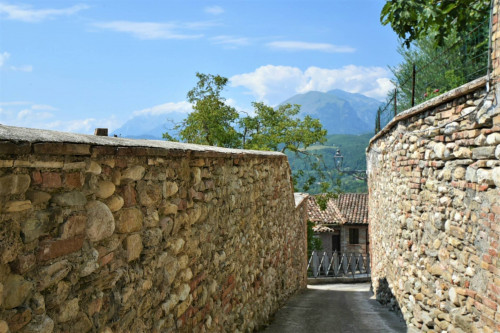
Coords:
335,308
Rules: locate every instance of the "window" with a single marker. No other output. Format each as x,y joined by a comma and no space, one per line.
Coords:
353,236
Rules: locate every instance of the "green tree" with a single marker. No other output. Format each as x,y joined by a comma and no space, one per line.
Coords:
416,19
279,129
212,120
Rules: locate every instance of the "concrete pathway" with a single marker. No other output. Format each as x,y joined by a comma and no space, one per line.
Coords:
335,308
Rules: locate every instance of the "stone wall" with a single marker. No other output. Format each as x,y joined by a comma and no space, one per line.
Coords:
434,188
114,235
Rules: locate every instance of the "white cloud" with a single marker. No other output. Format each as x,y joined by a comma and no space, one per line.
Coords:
305,46
43,107
214,10
25,68
166,108
274,84
28,14
230,41
155,30
3,58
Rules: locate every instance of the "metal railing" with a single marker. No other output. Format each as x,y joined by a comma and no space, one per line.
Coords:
335,264
444,69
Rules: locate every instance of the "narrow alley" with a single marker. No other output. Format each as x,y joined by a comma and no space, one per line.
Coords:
335,308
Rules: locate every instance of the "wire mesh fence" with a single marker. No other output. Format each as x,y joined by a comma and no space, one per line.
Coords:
425,75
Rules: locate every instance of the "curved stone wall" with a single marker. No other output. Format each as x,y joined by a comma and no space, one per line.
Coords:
113,235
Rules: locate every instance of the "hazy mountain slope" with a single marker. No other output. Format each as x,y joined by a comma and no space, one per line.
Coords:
340,112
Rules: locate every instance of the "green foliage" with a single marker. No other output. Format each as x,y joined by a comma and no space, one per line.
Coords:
416,19
461,59
212,120
313,244
279,129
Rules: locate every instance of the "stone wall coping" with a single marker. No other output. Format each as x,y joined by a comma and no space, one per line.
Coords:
37,136
299,198
422,107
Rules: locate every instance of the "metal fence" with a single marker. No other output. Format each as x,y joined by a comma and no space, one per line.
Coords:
324,264
437,71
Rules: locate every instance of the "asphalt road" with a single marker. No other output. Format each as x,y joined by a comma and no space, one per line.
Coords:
335,308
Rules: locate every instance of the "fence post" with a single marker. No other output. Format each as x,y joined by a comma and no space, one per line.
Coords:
414,73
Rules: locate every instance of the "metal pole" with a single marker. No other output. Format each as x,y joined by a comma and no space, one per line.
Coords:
413,86
395,102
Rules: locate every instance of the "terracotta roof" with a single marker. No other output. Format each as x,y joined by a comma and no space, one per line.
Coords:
348,208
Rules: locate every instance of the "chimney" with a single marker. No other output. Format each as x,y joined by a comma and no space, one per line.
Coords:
101,132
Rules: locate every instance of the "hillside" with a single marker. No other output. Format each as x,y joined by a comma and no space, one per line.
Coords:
340,112
352,148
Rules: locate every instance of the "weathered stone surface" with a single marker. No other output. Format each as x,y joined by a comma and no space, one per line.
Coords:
105,189
37,197
14,184
115,203
493,139
495,176
130,220
68,199
169,189
69,310
41,324
52,274
133,173
149,194
163,265
31,229
94,168
100,221
134,247
54,248
16,291
434,217
17,206
483,153
74,226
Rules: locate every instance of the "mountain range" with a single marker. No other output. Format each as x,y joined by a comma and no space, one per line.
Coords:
339,111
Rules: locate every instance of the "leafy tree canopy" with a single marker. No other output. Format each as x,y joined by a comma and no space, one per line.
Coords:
212,120
414,19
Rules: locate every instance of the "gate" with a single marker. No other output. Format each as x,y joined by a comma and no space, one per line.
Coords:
323,264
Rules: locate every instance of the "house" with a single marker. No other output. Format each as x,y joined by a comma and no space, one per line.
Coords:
343,225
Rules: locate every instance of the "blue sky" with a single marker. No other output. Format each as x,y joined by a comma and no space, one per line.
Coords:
76,65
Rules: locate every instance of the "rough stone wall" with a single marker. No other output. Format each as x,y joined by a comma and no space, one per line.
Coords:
106,235
434,187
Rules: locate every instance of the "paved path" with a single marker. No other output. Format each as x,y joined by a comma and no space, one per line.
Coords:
335,308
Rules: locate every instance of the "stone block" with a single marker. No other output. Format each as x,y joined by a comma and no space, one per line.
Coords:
149,193
483,153
73,180
51,180
37,197
69,199
105,189
14,184
133,244
54,248
93,168
16,291
31,229
130,220
11,148
134,173
74,226
495,176
100,221
493,139
69,310
485,176
115,203
17,206
52,274
55,148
